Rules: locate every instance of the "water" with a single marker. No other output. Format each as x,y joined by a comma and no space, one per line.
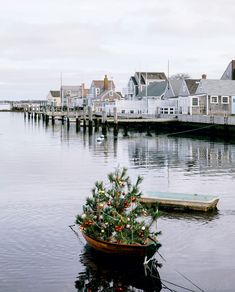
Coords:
45,176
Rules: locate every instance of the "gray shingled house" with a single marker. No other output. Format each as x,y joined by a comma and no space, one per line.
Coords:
215,97
140,80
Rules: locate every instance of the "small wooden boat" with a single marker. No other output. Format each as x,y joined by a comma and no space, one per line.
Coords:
181,201
118,249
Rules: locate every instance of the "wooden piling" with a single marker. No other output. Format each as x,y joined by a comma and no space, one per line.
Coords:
115,119
104,123
90,123
77,122
68,123
125,134
84,119
47,119
96,124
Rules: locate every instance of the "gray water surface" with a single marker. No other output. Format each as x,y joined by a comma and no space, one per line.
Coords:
46,174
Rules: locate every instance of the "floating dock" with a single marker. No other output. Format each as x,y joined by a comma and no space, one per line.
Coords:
181,201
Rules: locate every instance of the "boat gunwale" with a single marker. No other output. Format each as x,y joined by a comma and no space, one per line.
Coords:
133,245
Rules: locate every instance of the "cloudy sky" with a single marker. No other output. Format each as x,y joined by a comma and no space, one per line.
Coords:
85,39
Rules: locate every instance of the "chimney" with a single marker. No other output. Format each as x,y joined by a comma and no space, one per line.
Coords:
106,83
203,76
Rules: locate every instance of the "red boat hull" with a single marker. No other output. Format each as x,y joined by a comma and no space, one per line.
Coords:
133,250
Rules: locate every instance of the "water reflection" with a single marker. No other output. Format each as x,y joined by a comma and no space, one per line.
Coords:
112,274
164,151
205,217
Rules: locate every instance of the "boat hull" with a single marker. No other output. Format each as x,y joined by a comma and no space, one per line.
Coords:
130,250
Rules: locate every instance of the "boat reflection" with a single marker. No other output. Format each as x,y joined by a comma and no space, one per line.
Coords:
204,217
104,273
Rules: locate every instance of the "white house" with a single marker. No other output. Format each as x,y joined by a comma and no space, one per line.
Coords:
73,95
53,98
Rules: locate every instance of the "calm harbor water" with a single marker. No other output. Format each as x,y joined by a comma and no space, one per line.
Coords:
45,176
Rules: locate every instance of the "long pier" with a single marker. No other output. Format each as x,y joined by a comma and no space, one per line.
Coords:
217,126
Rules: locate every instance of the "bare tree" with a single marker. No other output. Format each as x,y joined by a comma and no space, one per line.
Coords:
179,76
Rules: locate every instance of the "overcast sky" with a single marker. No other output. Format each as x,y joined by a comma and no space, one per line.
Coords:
87,39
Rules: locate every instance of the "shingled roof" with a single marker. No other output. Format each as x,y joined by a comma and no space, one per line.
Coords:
176,85
216,87
55,93
100,84
143,76
154,89
192,85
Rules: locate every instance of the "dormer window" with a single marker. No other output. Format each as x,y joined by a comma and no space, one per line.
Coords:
97,91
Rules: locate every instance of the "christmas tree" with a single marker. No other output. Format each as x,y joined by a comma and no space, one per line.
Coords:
115,213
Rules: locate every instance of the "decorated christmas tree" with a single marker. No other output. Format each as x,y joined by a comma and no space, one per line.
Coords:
115,212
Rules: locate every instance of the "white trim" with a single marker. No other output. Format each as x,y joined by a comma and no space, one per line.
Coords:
216,96
227,99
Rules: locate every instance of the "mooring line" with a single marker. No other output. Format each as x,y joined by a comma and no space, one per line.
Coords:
77,234
189,130
186,278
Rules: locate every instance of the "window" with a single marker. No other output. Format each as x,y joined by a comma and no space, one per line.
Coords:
131,111
225,99
97,91
111,93
214,99
195,101
123,111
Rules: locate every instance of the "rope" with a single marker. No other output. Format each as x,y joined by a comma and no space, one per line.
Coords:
186,278
189,130
151,269
77,234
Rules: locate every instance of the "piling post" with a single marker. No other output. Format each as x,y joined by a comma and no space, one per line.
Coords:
148,130
96,124
115,120
47,119
53,116
125,134
104,123
77,122
84,119
90,121
68,123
